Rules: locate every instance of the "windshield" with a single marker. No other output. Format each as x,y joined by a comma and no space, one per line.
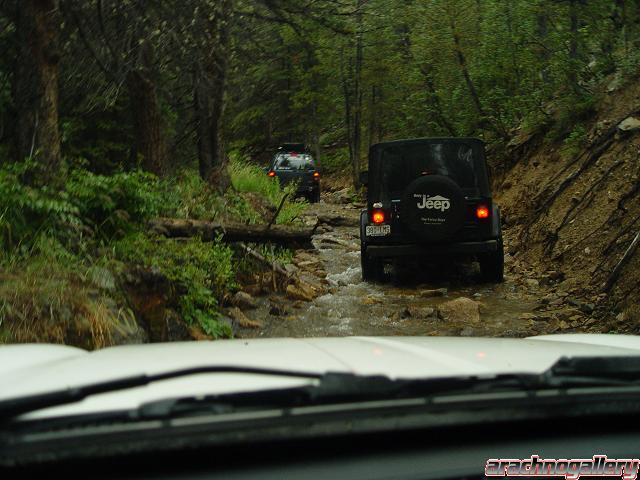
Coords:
293,161
207,202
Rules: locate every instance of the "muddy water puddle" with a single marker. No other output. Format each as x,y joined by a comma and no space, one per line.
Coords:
404,305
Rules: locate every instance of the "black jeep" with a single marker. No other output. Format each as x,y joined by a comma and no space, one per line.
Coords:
430,198
294,163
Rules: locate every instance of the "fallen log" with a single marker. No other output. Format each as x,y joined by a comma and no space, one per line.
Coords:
231,232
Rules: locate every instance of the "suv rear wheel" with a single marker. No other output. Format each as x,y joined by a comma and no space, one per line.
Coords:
492,264
372,268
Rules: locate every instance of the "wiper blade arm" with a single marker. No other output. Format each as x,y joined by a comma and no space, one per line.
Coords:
21,405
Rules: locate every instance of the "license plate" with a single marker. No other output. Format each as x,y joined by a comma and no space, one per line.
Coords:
378,230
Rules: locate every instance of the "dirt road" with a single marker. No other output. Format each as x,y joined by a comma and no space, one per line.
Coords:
445,299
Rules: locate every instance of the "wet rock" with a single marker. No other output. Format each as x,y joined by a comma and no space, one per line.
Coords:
460,310
467,332
566,313
176,329
290,268
587,308
555,275
372,300
545,280
241,319
244,301
254,290
309,263
629,124
278,308
544,316
300,292
438,292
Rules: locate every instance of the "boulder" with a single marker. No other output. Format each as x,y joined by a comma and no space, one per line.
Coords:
244,301
629,124
460,310
241,319
438,292
300,292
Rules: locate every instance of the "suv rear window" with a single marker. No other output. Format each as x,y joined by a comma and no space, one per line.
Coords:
398,165
286,161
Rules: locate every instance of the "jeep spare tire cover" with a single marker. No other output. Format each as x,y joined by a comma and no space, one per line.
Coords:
433,207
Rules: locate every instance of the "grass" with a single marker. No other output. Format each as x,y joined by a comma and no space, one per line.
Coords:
248,178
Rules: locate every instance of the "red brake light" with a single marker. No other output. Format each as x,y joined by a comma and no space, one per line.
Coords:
378,217
482,212
271,173
316,174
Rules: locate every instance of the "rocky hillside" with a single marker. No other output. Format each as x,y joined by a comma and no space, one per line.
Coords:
572,214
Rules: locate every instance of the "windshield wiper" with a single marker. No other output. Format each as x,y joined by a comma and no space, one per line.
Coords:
345,387
18,406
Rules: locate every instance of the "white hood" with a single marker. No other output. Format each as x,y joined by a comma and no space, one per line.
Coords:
34,369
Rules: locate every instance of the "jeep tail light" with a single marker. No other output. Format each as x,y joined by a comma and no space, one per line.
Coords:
271,173
482,212
378,217
316,175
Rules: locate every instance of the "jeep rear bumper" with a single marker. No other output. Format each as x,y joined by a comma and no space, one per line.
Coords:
379,251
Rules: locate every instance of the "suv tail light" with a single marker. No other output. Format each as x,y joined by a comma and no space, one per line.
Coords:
378,217
271,174
482,212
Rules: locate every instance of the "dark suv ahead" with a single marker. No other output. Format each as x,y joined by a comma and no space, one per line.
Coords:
296,165
430,198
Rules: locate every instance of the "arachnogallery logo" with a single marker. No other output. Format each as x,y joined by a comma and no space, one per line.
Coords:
598,465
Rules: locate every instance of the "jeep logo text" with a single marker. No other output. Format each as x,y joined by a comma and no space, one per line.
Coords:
433,203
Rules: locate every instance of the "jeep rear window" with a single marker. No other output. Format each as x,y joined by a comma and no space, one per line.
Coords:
399,165
287,161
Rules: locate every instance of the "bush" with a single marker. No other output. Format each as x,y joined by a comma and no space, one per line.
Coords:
28,212
112,205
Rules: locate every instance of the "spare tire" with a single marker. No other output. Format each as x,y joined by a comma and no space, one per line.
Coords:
433,207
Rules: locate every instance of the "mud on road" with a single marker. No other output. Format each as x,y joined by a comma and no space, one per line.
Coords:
432,300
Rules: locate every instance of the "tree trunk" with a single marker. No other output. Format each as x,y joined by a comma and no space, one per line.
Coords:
150,142
357,109
36,88
209,95
232,232
573,45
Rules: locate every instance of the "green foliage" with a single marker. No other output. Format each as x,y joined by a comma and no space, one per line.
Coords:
572,111
28,212
575,141
204,273
186,195
113,204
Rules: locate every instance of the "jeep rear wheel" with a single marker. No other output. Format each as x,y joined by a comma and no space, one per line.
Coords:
492,264
433,208
372,268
